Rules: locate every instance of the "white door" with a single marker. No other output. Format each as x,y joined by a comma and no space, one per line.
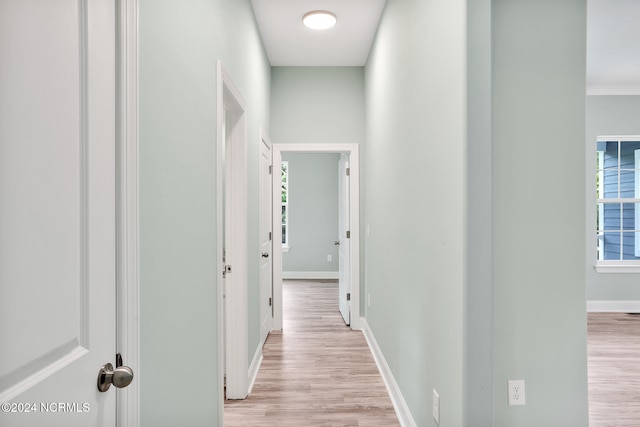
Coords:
266,241
57,211
344,283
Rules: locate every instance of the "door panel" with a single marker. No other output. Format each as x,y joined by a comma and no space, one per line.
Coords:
266,242
57,221
344,263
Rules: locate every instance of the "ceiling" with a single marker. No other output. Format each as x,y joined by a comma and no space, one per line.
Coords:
613,38
289,43
613,47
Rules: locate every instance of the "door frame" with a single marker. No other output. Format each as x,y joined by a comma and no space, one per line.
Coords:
354,220
231,174
264,139
127,217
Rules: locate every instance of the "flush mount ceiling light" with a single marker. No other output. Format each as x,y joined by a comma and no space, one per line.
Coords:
319,20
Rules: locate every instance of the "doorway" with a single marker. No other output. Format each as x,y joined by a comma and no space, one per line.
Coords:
351,213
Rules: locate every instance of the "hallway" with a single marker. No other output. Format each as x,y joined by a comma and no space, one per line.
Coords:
316,372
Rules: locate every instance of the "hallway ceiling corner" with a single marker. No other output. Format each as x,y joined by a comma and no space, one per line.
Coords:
613,47
289,43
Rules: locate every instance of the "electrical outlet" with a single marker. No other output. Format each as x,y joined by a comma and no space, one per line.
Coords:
516,392
329,258
436,406
368,300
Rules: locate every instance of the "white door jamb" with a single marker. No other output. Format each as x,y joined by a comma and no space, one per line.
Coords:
128,283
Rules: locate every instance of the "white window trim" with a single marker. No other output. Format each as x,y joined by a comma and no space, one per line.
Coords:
623,266
285,246
637,194
616,267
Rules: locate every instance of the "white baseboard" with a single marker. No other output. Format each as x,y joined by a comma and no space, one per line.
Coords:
310,275
255,367
399,404
614,306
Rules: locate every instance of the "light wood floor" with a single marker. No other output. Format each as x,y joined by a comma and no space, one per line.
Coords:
614,369
316,372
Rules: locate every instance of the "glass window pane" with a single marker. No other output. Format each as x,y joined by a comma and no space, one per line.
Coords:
611,243
600,246
611,216
611,155
627,184
627,149
629,216
629,245
610,184
599,216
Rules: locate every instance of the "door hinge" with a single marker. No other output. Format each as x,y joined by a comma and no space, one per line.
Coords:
348,296
226,269
348,171
348,234
269,302
270,169
270,236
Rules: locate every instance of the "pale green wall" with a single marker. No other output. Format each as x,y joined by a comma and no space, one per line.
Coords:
180,43
538,204
478,352
607,115
313,212
317,105
479,281
415,196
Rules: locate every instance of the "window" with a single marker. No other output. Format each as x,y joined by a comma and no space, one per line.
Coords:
284,177
618,201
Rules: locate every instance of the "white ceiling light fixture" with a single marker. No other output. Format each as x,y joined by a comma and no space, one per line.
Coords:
319,20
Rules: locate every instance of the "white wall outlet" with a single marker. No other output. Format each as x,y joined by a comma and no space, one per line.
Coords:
516,392
436,406
367,231
329,258
368,300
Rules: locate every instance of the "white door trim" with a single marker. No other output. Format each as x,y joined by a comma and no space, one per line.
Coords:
354,221
232,173
128,278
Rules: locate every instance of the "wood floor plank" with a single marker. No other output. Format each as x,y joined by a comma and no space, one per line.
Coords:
316,372
614,369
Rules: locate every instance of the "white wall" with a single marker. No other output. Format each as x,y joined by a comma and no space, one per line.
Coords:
313,213
607,115
180,43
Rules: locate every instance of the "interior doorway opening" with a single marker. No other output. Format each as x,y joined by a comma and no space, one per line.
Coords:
349,235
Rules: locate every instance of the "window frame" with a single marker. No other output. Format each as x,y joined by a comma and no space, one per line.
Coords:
617,266
284,182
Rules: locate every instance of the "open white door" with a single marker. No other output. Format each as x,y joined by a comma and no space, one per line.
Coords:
266,241
57,216
344,249
232,236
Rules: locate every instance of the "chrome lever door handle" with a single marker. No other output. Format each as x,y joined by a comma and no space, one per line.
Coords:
265,254
336,243
120,377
